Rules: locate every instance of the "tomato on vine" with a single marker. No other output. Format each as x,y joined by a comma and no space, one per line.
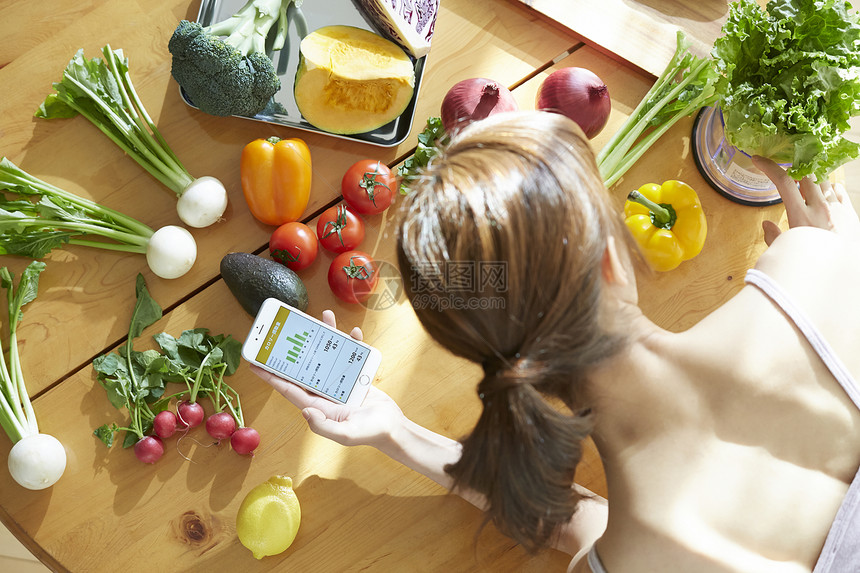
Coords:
294,245
352,276
339,229
368,187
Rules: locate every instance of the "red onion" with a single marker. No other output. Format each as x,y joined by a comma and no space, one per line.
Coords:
578,94
474,99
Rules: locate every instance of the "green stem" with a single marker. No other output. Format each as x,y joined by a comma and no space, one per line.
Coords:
18,376
9,392
132,144
17,392
196,387
109,246
669,72
607,167
283,26
662,215
18,178
84,228
11,414
136,111
237,411
642,146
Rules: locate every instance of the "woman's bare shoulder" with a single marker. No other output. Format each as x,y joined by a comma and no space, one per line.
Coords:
812,258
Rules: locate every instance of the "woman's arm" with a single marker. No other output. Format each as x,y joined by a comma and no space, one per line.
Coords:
380,423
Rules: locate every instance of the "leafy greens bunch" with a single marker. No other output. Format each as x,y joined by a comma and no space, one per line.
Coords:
44,217
137,380
687,84
430,140
36,460
791,81
100,89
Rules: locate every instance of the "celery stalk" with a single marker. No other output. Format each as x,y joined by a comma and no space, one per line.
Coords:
686,84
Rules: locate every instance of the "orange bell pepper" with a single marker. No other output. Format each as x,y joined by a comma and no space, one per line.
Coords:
667,222
276,179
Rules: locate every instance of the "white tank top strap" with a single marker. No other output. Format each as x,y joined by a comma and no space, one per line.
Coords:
594,561
773,291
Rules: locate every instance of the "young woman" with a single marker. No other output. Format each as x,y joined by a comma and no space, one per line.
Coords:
732,446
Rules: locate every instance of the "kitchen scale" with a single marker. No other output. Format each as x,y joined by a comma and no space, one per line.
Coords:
728,169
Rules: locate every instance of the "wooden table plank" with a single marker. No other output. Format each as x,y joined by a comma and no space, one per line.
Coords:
361,510
84,291
640,33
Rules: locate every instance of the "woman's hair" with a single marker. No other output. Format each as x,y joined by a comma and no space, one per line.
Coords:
500,247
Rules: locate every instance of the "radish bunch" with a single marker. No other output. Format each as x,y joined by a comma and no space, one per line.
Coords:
137,381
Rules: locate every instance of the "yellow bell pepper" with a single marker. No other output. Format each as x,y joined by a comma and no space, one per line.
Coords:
276,179
667,222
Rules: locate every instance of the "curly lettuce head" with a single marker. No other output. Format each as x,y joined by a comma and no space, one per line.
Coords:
791,81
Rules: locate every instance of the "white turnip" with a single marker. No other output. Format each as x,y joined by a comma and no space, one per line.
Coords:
37,461
120,114
171,252
202,202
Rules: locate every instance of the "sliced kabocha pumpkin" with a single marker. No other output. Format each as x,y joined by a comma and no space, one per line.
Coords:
350,80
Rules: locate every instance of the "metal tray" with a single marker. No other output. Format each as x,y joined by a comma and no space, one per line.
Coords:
313,14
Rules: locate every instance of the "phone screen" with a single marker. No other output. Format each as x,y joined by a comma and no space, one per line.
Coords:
322,359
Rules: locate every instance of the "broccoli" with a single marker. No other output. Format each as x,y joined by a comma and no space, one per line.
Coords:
232,75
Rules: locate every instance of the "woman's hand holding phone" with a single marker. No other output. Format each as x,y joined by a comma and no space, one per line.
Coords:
372,423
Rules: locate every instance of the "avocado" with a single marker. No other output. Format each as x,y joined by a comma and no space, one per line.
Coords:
253,279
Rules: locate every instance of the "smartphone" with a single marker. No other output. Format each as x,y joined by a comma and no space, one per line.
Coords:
307,352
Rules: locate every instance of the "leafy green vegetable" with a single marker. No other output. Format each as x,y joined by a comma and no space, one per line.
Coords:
429,141
101,91
137,380
16,412
57,217
687,84
791,81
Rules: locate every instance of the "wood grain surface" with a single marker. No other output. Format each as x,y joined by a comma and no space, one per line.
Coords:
361,511
639,32
84,291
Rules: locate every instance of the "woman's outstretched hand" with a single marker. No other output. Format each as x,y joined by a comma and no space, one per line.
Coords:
373,423
809,204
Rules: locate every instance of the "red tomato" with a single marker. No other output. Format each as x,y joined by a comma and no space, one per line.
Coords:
352,276
339,229
368,187
294,245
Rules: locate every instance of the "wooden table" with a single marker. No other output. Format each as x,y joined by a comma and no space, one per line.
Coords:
361,511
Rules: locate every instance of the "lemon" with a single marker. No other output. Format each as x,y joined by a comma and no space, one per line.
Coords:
269,517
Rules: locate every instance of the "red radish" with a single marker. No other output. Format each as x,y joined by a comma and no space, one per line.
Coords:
474,99
149,449
245,440
164,424
221,425
580,95
190,414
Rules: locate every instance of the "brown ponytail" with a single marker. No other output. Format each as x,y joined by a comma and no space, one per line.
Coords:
519,192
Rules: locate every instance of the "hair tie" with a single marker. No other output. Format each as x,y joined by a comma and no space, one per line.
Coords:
493,364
